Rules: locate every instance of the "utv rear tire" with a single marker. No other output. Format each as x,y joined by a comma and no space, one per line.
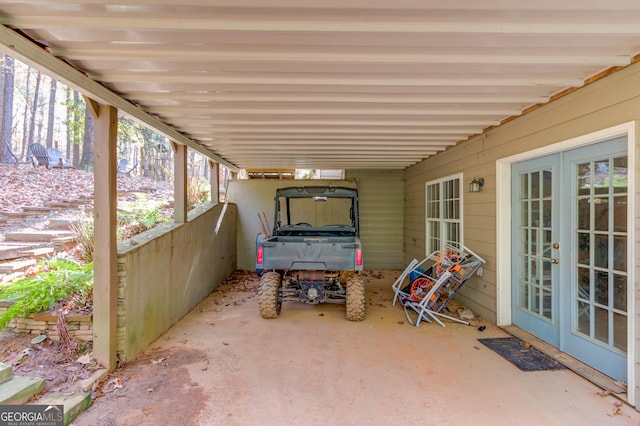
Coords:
355,303
268,295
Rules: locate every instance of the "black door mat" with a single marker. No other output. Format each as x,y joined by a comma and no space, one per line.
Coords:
523,356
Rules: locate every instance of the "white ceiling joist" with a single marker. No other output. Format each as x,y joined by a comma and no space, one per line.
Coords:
324,83
317,111
400,123
352,55
22,49
405,98
318,25
338,80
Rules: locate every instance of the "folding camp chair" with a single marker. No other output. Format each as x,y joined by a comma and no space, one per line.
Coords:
429,291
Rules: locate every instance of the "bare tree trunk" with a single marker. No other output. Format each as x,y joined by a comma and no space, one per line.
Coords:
87,142
25,121
69,129
76,136
34,107
38,135
5,149
51,113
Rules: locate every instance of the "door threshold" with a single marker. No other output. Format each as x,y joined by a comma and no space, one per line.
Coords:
591,374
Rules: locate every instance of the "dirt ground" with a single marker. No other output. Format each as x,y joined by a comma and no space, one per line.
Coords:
224,365
26,186
46,360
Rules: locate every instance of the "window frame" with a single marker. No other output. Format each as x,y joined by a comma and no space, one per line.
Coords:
442,222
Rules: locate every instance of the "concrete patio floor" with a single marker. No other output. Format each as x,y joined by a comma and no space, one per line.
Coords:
224,365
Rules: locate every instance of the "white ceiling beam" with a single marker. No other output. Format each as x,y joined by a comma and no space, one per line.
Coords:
389,143
197,79
329,149
425,137
312,138
325,155
325,164
213,98
412,153
185,86
172,111
422,122
20,48
315,24
494,5
271,132
402,155
352,55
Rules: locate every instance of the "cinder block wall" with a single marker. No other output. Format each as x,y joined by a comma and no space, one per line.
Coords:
163,273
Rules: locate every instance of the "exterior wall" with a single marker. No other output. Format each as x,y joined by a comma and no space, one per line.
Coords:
381,195
163,273
635,299
381,205
479,210
606,103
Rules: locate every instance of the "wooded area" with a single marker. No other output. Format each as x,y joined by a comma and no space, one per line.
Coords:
38,109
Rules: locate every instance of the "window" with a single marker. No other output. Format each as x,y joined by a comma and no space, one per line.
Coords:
444,213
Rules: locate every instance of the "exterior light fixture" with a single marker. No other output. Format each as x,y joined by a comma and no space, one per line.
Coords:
476,184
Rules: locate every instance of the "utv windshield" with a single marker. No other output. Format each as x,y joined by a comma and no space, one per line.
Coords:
316,213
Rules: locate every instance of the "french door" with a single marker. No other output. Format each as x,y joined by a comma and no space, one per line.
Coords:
569,252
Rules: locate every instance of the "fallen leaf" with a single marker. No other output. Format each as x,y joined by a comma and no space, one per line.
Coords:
159,360
85,359
617,409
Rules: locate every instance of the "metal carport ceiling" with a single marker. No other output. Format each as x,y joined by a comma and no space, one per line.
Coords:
331,84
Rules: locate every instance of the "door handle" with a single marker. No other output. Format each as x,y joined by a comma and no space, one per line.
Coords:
555,261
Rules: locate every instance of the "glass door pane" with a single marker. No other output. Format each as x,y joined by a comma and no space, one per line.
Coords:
534,255
535,248
600,303
594,324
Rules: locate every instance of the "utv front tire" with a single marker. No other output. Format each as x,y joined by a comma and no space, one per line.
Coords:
355,303
268,295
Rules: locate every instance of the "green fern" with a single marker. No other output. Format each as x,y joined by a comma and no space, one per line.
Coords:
137,216
54,279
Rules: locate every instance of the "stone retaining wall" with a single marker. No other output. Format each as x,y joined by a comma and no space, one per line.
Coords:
80,326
